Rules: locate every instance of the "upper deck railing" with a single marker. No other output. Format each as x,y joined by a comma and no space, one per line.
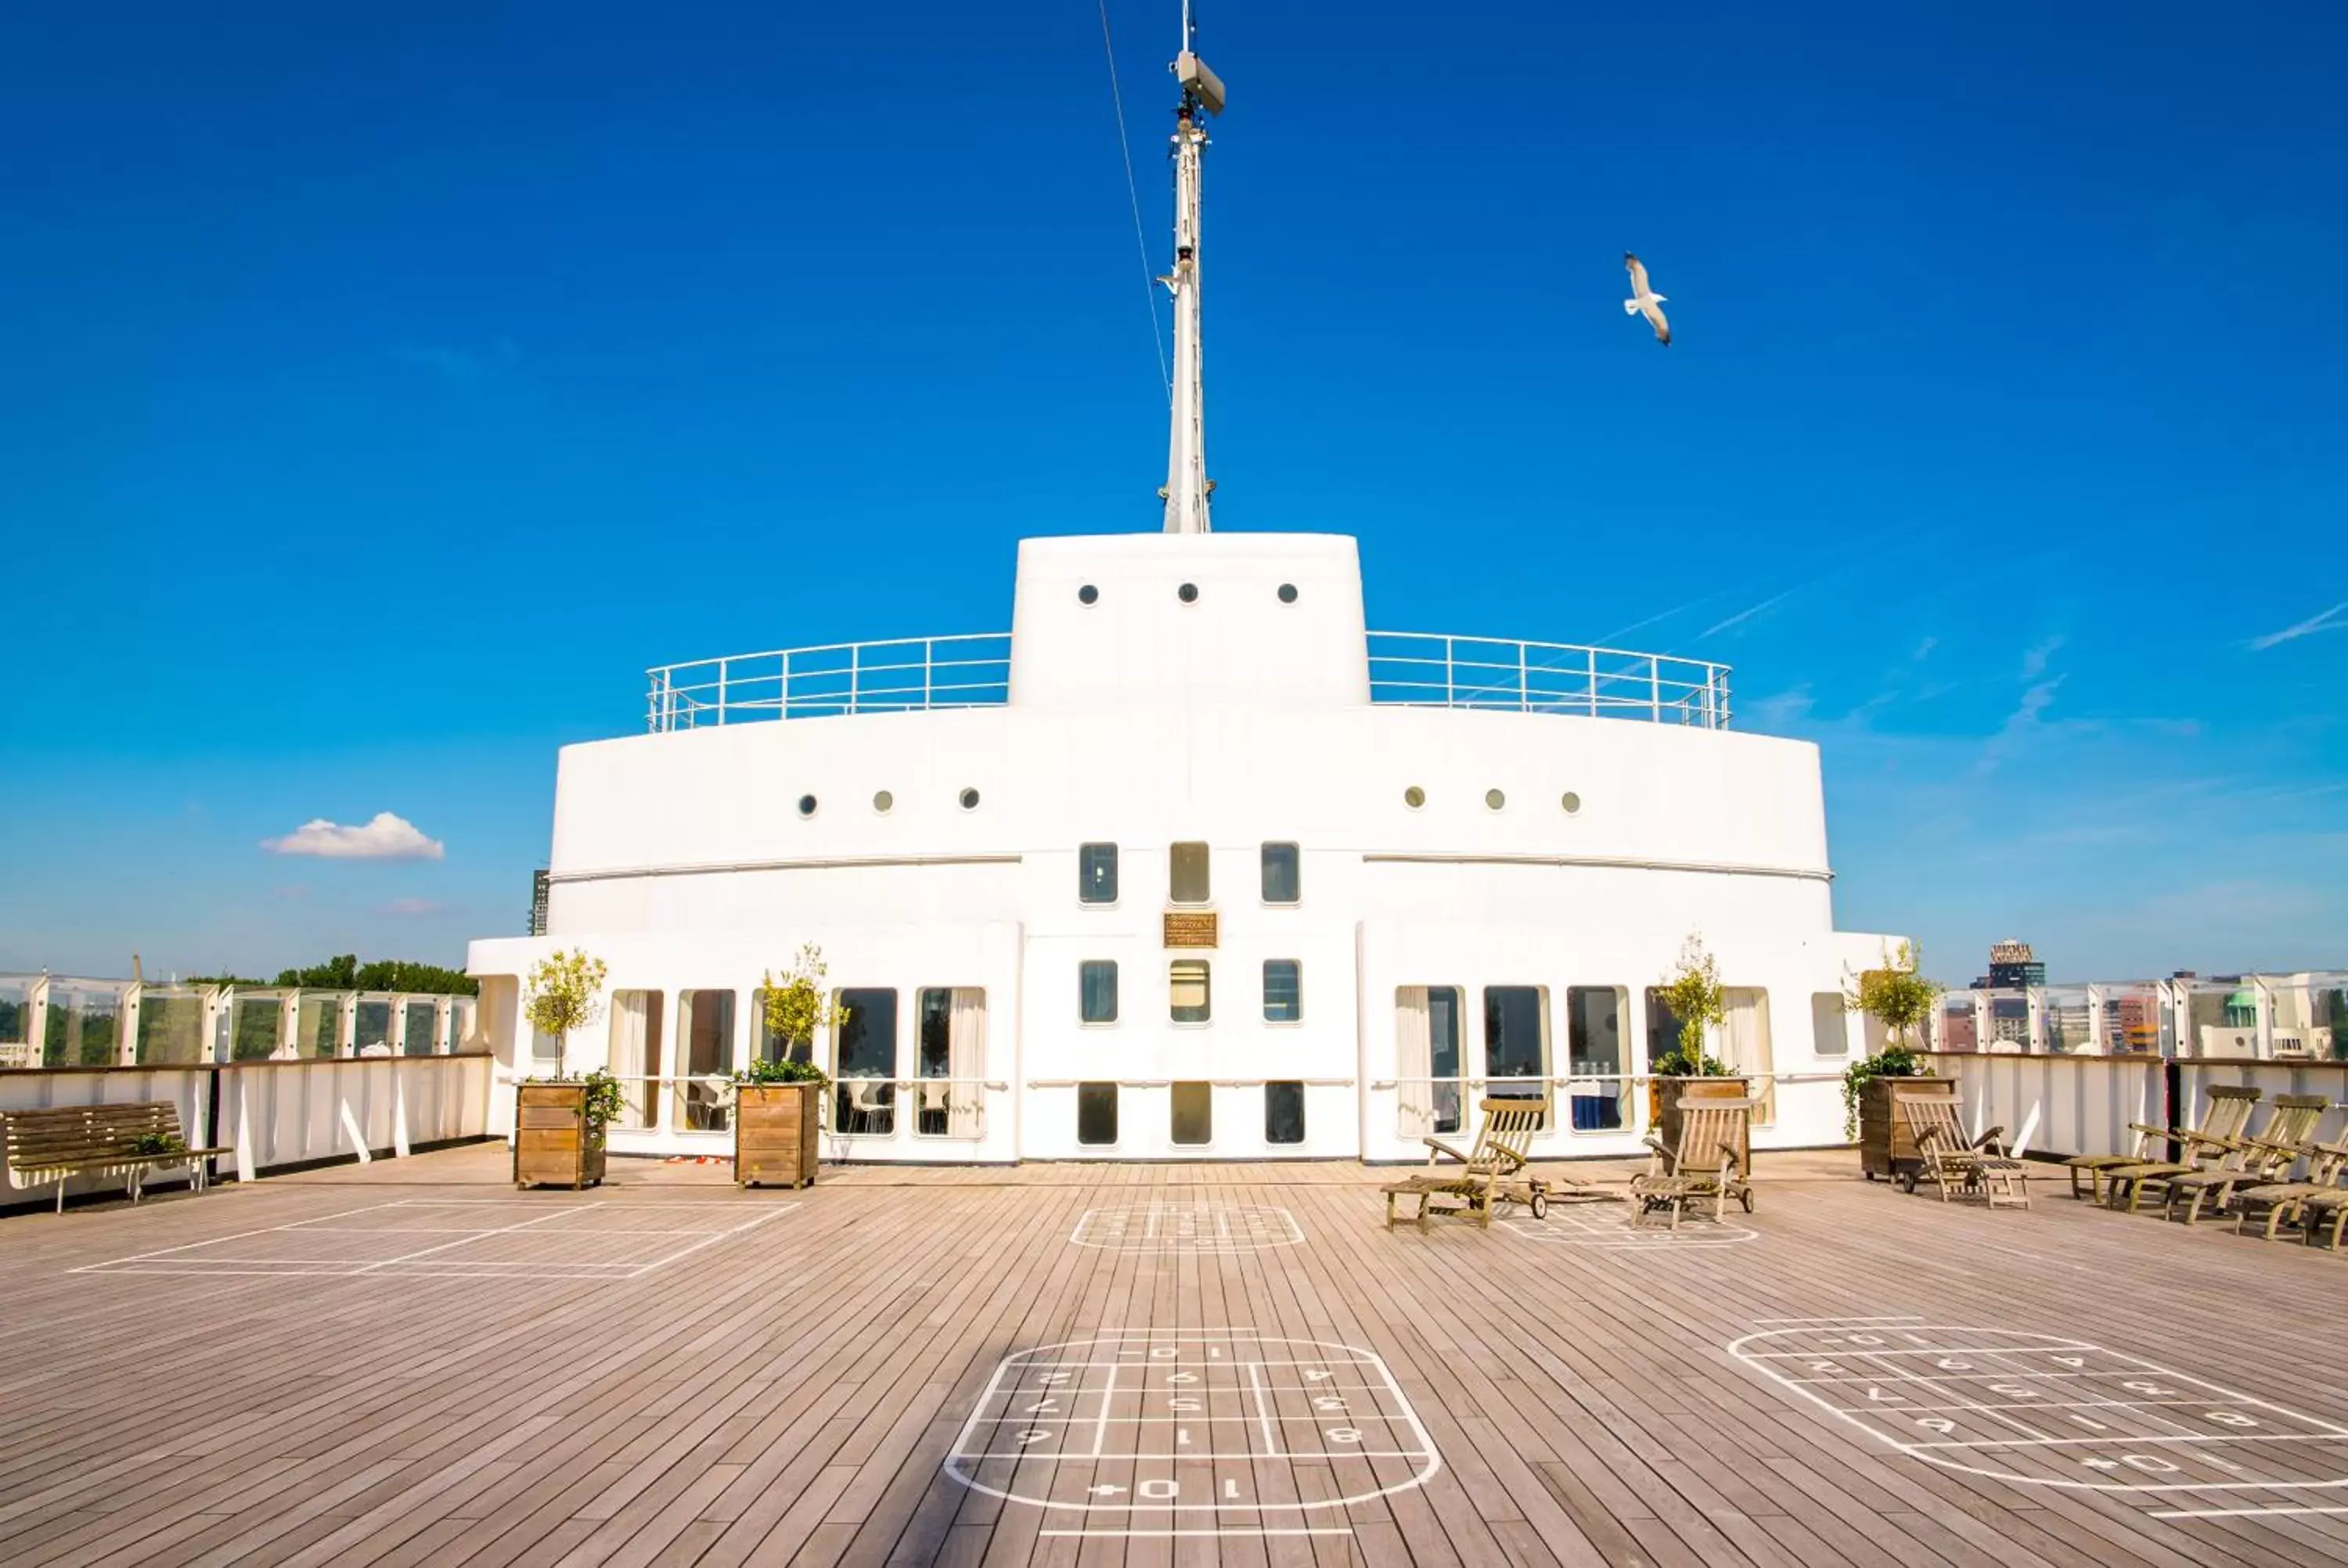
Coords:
1412,669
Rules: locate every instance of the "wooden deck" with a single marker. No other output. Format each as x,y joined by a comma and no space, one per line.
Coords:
410,1363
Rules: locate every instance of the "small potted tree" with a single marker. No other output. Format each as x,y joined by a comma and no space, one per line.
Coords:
1693,992
560,1121
1900,998
778,1103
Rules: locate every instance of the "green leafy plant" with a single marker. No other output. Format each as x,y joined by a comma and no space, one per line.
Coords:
1693,991
1897,1061
788,1070
796,1005
604,1102
565,994
158,1143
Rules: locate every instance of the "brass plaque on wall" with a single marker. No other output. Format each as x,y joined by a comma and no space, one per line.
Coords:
1191,928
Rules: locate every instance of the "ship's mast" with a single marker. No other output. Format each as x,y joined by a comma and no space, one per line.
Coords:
1187,485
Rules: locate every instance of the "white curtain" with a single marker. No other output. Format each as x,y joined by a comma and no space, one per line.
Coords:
1414,1063
1745,1046
635,1049
966,1063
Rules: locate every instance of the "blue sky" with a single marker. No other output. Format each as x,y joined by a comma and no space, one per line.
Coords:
382,389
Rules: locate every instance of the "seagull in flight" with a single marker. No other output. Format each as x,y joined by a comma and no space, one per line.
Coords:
1644,301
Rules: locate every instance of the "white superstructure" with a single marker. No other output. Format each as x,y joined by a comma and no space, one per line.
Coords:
1190,865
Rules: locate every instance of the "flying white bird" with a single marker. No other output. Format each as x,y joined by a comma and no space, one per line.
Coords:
1644,301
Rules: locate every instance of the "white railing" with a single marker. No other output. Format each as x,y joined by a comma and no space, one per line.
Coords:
1432,670
908,675
1409,668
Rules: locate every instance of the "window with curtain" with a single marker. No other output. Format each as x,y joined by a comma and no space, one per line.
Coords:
1426,1060
637,1054
704,1030
1194,1113
1830,1023
1097,990
1187,882
1096,873
1096,1113
1284,1112
1745,1046
1283,991
949,1060
1282,881
1190,990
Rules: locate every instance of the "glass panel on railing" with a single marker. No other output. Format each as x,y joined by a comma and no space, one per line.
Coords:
318,1025
464,1025
419,1029
2066,1015
2310,1015
2131,1019
2222,1018
256,1020
170,1027
1958,1029
85,1024
15,1020
372,1031
2007,1016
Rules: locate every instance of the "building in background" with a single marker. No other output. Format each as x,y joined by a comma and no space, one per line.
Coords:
2013,967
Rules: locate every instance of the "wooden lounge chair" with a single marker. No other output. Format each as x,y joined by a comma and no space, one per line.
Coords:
1705,1165
2325,1207
1973,1166
2267,1156
2228,1112
2280,1203
2220,1138
1490,1175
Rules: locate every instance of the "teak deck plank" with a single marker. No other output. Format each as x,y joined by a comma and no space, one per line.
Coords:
792,1393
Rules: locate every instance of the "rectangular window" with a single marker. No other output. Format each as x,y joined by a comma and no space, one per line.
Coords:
864,1062
949,1061
773,1047
1830,1023
706,1062
1283,991
1594,1042
1426,1060
635,1054
1186,881
1284,1112
1096,1113
1096,873
1190,990
1745,1046
1662,1027
1097,990
1516,1040
1282,880
1194,1113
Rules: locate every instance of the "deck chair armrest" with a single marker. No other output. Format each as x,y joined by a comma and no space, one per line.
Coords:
1993,1139
1656,1147
2152,1132
1926,1136
1437,1146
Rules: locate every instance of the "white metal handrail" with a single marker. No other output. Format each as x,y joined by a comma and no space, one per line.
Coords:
1407,668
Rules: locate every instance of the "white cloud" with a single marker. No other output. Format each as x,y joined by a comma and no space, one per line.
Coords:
382,837
2330,620
411,907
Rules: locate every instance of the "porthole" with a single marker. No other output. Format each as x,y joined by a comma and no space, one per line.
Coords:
1288,593
882,800
1494,799
1414,797
1188,593
1571,802
1088,594
970,800
807,805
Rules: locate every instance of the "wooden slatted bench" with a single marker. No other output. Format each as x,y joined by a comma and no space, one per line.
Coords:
58,1145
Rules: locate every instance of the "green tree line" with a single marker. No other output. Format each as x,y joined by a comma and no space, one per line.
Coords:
344,972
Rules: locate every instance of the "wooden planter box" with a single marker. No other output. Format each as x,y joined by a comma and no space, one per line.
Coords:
1664,1101
1886,1144
553,1146
775,1126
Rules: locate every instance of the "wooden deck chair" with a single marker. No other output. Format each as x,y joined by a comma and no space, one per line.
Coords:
1705,1165
2218,1138
2324,1208
1972,1166
2266,1156
1489,1174
2225,1116
2280,1203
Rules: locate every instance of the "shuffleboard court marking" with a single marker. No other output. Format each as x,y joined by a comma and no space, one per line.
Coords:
1609,1229
1159,1433
366,1243
1206,1227
2054,1410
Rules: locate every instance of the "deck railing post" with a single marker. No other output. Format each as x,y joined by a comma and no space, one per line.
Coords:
1656,688
855,672
929,660
1592,687
1524,699
721,691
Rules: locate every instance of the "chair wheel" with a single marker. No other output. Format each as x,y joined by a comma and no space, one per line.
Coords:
1908,1182
1539,1205
1747,1199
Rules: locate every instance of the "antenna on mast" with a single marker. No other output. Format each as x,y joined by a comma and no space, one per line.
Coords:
1187,485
